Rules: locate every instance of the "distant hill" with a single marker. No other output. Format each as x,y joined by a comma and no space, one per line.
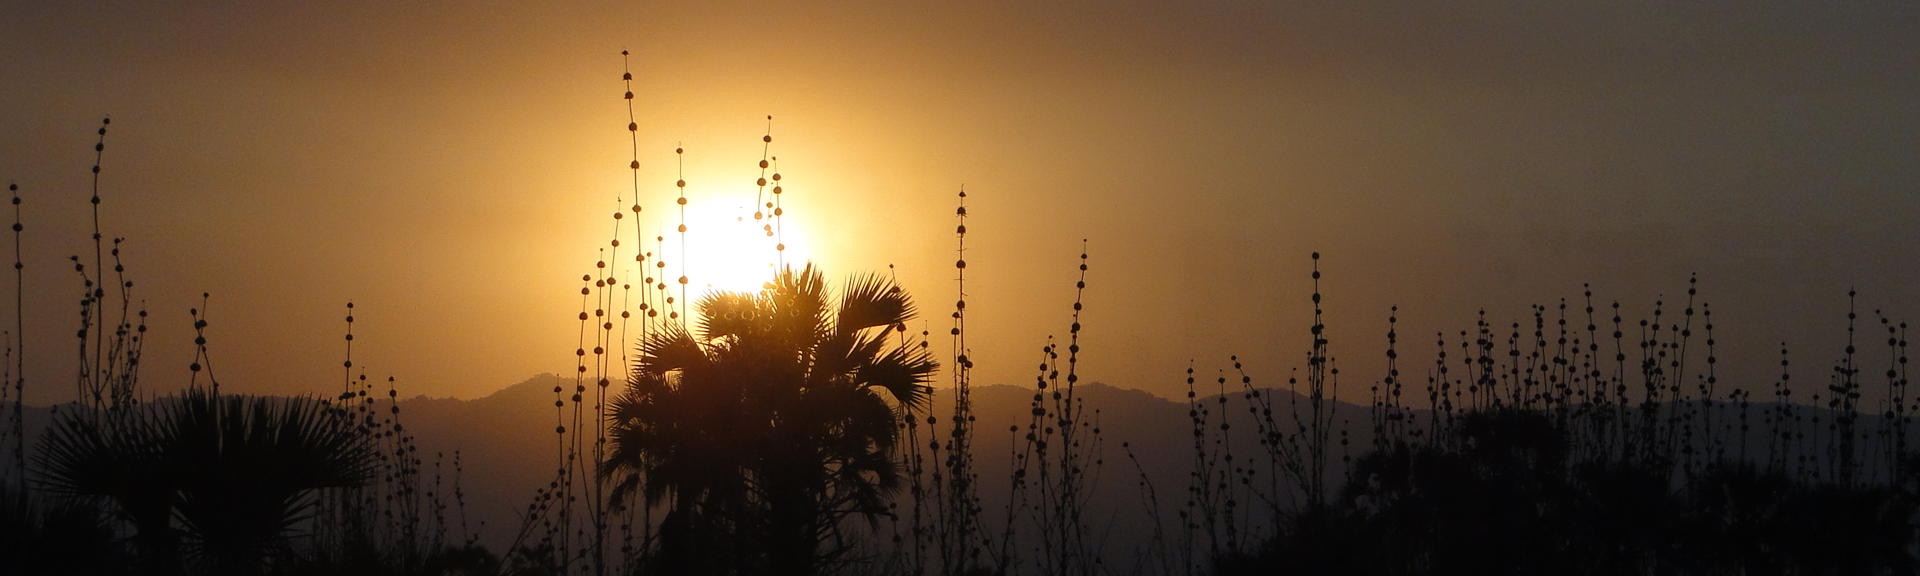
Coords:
509,449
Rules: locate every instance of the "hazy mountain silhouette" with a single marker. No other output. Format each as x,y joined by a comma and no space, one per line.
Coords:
508,449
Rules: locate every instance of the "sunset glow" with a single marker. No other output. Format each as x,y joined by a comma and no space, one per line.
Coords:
947,288
725,248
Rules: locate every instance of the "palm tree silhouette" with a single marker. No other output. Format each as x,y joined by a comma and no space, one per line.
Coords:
770,425
224,479
117,457
248,469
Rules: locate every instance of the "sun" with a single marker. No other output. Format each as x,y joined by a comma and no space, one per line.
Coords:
725,248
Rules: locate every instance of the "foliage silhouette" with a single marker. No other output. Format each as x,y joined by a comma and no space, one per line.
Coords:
123,460
218,481
1503,497
62,538
771,424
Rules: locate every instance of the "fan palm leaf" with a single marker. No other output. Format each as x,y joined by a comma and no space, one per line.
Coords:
235,473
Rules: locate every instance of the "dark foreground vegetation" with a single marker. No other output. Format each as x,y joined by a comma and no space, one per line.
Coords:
796,430
1512,495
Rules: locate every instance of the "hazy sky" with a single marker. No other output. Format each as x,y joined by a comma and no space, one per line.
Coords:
451,168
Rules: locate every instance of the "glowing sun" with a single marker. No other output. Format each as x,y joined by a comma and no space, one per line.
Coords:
725,248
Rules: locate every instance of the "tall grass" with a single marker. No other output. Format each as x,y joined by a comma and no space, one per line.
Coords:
1056,463
14,388
1683,436
203,480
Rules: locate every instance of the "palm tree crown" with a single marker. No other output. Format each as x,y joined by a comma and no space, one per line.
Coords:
773,422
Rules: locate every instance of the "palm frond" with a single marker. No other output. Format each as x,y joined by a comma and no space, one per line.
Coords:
247,467
799,307
903,372
670,349
872,301
86,454
724,314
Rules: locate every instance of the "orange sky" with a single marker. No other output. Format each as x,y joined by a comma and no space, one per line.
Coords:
451,169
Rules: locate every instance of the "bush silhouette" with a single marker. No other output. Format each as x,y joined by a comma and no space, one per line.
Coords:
1502,497
215,483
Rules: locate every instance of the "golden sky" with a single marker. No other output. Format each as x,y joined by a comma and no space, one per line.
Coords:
451,168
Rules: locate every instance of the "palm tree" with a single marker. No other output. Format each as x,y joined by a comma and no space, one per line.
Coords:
248,469
770,425
117,457
236,474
